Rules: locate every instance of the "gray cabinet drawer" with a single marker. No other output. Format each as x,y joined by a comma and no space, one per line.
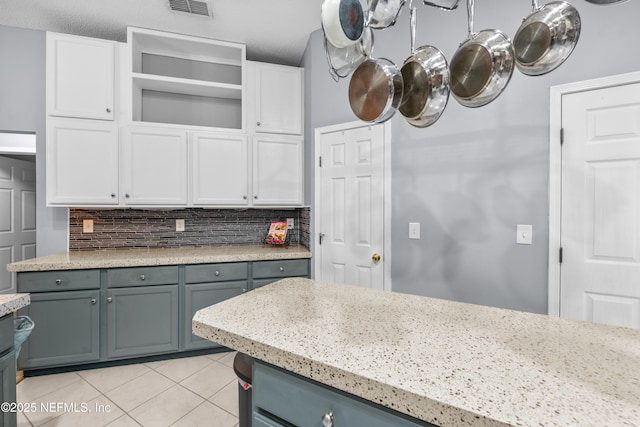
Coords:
62,280
281,268
6,333
279,395
142,276
206,273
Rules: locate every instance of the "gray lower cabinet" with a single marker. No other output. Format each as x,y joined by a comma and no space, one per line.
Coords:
142,321
265,272
7,370
67,329
283,399
205,285
85,316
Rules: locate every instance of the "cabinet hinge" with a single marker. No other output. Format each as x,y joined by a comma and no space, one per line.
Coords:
561,136
560,255
320,161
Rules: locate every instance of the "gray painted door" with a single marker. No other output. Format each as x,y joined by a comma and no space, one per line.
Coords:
17,216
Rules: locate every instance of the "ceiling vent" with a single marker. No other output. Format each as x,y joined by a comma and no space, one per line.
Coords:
194,7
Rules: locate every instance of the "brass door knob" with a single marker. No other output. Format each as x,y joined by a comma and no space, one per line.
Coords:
375,257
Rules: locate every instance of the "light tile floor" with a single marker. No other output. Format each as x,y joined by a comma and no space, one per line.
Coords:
191,391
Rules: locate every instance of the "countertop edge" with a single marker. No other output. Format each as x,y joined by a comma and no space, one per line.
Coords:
13,302
85,260
342,380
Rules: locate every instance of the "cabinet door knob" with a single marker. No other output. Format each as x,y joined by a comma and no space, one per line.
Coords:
93,301
244,290
113,195
109,299
244,197
143,277
327,419
257,123
217,273
281,269
255,197
108,110
58,282
126,195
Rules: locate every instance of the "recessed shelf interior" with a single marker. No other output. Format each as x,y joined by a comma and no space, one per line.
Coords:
184,80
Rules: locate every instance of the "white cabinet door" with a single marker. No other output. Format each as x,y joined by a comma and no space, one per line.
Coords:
154,164
278,98
277,170
82,162
218,169
80,77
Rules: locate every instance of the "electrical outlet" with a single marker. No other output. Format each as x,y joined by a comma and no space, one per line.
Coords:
524,234
179,224
414,230
87,226
290,223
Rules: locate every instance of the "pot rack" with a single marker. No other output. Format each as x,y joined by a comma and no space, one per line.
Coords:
361,54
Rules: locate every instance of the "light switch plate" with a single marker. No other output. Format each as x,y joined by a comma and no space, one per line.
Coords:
290,223
414,230
524,234
179,224
87,226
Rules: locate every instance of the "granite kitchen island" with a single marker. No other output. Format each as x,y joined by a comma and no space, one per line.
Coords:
437,361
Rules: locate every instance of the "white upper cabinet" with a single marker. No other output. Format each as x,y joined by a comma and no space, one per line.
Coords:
277,95
179,80
82,162
218,166
277,170
80,77
154,162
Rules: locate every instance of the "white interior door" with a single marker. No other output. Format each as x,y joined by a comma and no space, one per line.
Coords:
600,225
17,216
351,208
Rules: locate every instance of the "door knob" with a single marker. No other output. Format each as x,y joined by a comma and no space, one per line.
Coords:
375,257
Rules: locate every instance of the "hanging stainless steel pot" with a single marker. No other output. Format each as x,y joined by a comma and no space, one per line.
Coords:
546,38
442,4
482,66
342,21
375,90
425,76
383,13
343,60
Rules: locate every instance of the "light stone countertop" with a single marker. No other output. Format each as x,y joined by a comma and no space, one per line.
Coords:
114,258
12,302
443,362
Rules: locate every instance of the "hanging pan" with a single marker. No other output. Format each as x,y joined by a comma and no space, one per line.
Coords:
375,90
342,21
425,76
546,38
383,13
482,66
343,60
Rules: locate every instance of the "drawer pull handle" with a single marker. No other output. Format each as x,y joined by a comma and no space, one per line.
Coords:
281,269
109,299
143,277
58,282
244,290
327,419
217,273
93,301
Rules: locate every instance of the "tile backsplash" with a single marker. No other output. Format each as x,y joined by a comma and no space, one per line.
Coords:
156,228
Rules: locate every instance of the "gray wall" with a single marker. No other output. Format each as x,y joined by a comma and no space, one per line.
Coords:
22,108
476,173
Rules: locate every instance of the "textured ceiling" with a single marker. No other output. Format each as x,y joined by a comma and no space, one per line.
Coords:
273,31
